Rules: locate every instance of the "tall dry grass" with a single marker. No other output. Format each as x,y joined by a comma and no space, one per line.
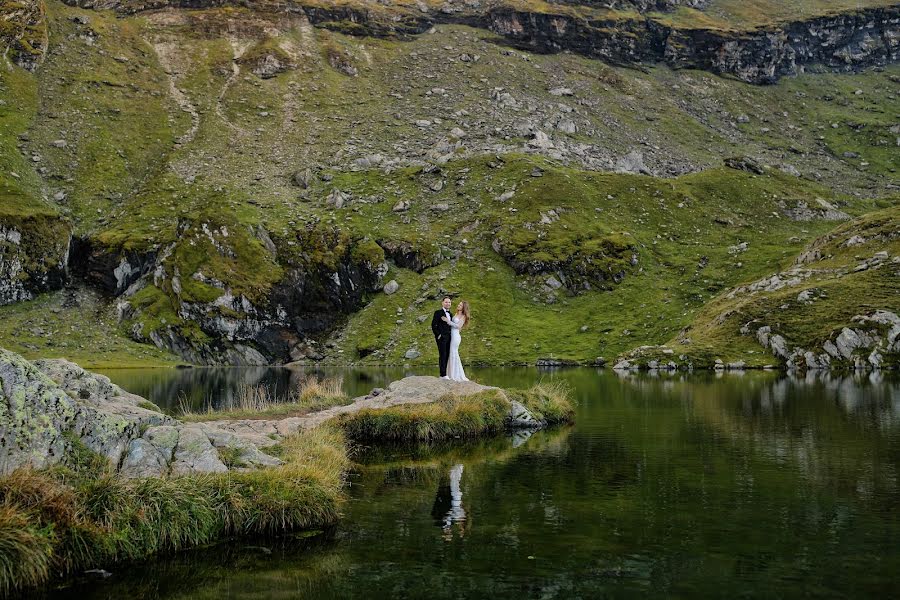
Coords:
59,520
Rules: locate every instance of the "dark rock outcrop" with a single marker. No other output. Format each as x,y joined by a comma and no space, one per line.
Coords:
34,253
23,34
842,42
408,255
324,276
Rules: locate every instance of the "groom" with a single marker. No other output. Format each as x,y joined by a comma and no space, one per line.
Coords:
441,332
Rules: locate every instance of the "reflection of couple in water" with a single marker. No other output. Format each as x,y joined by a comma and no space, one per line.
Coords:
448,511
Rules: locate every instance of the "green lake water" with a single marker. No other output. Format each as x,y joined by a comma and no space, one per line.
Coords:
756,485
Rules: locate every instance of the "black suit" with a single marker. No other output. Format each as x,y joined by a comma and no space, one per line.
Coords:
441,332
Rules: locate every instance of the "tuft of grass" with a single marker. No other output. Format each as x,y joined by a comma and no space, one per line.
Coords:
25,551
147,405
259,402
547,401
60,520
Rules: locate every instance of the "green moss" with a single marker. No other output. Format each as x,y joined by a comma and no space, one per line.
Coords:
147,405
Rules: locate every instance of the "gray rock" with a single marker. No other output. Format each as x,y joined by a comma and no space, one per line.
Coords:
567,126
779,346
336,198
195,454
391,287
520,417
248,456
762,335
164,438
43,405
847,341
143,459
412,354
540,140
790,170
553,283
302,178
633,162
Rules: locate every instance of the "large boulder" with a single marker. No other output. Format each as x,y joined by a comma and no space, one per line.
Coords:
49,406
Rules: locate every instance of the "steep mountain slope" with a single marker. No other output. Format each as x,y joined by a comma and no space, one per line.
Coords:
241,182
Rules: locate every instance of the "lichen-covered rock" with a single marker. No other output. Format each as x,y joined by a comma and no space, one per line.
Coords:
49,405
34,415
144,460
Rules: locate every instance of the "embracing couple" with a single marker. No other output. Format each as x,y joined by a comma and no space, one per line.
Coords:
446,329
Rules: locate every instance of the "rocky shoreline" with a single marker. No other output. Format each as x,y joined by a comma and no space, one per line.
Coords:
135,482
49,404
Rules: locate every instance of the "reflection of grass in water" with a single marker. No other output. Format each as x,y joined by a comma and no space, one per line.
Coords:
261,401
84,515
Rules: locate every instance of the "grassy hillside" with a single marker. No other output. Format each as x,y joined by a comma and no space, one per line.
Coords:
839,281
223,150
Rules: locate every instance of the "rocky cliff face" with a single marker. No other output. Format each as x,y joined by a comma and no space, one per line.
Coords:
33,257
840,42
23,32
307,285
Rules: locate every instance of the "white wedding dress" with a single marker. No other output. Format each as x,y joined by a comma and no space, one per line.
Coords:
454,364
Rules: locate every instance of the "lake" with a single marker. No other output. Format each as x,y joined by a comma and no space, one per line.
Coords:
672,485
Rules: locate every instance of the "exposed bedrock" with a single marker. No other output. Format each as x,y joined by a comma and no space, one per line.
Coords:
34,252
846,41
187,308
842,42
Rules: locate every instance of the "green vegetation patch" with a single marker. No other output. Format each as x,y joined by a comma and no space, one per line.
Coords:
835,285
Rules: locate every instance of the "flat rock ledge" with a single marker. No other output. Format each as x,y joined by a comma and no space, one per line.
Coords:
416,389
48,406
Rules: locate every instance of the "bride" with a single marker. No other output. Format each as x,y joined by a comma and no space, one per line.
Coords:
460,320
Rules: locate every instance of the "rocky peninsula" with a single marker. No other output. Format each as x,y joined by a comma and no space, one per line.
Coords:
82,457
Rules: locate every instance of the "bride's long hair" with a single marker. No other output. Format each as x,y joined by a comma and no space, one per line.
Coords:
464,310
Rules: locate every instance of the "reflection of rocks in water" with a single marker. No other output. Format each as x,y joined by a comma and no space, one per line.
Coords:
520,436
448,511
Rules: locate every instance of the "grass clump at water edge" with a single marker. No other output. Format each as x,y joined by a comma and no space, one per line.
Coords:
83,515
452,416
